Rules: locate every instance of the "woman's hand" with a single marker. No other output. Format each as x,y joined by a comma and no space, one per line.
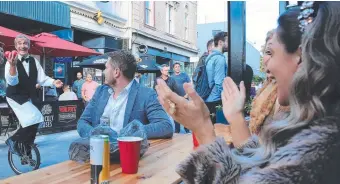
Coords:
233,99
192,114
233,105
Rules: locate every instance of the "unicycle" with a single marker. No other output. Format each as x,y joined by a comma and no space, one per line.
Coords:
24,161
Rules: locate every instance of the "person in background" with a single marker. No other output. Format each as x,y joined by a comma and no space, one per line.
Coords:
252,90
78,84
88,89
172,85
68,94
216,67
168,79
180,78
51,94
210,46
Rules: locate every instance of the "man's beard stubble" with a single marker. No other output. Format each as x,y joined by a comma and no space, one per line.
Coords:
111,82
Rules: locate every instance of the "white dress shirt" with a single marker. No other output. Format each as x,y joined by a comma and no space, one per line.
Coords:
115,108
27,113
70,95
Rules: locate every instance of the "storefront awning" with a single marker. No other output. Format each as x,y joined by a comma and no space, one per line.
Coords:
168,55
35,16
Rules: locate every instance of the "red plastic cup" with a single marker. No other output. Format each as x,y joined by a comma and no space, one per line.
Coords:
196,143
129,148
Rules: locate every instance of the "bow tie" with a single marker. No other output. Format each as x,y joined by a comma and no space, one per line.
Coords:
24,60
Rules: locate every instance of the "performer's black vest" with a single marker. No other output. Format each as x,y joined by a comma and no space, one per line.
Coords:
25,89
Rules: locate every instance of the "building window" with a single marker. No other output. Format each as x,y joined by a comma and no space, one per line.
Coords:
186,27
149,13
169,19
214,32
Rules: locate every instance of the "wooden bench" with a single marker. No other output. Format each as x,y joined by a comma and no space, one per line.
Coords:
156,166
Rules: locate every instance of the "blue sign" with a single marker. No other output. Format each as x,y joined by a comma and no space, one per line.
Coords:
63,59
59,70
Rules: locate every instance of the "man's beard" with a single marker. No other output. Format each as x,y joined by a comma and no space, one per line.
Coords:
111,82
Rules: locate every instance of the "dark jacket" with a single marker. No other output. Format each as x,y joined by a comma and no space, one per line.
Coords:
309,156
171,84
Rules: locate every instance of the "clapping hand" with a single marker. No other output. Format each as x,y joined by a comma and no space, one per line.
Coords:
233,99
192,114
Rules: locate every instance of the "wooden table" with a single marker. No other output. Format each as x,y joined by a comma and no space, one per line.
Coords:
157,166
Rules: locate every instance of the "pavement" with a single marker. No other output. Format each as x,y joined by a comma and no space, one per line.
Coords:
53,149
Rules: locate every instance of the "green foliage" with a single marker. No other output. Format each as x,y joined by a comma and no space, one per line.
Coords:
257,79
247,106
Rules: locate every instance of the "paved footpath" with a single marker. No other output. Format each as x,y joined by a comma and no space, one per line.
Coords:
53,149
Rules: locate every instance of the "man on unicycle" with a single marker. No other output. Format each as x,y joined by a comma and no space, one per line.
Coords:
22,73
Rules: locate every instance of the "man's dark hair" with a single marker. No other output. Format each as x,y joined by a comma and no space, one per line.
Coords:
125,61
221,36
176,64
211,41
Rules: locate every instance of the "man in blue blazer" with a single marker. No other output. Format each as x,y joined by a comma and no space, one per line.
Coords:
123,100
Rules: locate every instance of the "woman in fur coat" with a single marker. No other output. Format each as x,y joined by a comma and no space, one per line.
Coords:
305,147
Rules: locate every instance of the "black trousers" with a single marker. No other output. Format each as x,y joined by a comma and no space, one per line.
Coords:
26,135
212,108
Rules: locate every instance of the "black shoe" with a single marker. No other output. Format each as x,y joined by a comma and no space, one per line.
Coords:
12,146
24,161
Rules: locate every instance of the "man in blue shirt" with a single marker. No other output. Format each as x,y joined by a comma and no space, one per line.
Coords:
216,66
180,79
78,84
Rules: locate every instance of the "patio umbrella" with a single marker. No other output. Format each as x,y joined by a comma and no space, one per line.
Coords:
52,45
7,37
97,62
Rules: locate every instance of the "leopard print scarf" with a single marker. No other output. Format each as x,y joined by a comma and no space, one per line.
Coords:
262,106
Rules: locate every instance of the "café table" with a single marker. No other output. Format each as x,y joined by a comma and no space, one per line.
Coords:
157,166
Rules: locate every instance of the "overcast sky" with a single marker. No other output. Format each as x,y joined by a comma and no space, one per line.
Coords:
261,16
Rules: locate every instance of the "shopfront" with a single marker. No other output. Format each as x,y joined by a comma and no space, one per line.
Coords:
150,60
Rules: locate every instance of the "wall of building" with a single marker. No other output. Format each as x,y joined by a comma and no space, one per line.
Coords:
114,13
177,41
205,33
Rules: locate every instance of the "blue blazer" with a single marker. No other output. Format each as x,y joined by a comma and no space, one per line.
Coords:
142,105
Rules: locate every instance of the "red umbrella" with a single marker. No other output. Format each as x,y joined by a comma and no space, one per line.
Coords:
52,45
7,36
